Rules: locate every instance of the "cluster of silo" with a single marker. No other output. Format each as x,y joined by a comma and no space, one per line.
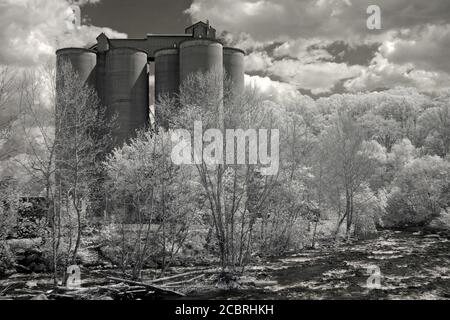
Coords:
120,76
173,66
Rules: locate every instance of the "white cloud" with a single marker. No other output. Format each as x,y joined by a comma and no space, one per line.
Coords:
30,33
32,30
382,74
305,50
317,77
415,40
272,90
266,20
257,61
426,48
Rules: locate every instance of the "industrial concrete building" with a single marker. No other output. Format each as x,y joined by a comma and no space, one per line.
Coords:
119,69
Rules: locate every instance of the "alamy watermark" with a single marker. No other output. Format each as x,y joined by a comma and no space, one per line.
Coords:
74,17
374,19
213,148
374,280
73,277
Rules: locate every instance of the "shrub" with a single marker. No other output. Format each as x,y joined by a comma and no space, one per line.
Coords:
419,193
7,259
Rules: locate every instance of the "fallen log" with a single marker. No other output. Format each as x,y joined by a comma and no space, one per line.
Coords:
112,288
190,273
184,281
148,286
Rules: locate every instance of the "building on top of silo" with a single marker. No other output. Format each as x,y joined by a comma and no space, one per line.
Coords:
201,30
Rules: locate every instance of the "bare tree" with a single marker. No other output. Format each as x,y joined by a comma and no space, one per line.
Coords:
8,82
234,193
67,138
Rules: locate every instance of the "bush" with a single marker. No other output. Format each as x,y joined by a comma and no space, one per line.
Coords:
369,208
7,259
419,193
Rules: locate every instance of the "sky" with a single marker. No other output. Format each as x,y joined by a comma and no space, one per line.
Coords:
294,47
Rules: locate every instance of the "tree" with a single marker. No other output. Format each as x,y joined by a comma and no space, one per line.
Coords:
8,82
9,203
434,127
66,140
82,138
294,206
235,193
420,192
348,166
385,131
153,201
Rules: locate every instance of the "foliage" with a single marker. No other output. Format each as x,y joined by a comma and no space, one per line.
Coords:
420,192
153,201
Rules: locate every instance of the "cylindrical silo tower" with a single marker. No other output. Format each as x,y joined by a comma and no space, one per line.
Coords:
101,77
167,72
233,64
167,78
200,55
127,85
204,56
83,62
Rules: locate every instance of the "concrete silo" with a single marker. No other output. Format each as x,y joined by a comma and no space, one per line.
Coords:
126,84
167,72
167,77
233,64
100,83
83,62
200,55
118,69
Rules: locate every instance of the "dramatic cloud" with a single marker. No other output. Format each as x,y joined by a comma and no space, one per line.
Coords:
426,48
381,75
30,33
272,90
315,77
324,45
32,30
257,62
290,19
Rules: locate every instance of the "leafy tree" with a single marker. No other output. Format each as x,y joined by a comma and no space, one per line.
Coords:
419,192
434,127
152,199
350,163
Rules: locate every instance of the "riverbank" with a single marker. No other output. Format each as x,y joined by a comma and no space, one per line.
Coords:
412,265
